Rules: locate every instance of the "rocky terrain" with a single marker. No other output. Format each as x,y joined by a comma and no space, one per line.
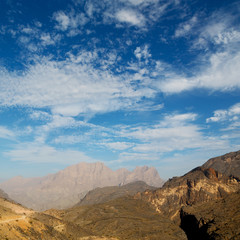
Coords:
105,194
17,222
122,218
198,186
65,188
118,219
216,219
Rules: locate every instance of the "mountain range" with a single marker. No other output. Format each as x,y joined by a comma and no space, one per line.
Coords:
67,187
203,204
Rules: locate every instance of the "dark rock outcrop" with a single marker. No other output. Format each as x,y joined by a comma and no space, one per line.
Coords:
215,220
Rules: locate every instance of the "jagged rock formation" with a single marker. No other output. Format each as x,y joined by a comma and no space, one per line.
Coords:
65,188
105,194
198,186
215,220
228,164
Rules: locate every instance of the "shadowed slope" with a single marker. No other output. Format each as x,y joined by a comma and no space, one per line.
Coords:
101,195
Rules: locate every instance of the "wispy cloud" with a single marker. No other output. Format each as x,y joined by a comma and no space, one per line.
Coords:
72,87
221,73
174,132
186,27
36,153
231,115
70,21
5,133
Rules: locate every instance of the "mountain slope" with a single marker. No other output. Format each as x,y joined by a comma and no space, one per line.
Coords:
17,222
105,194
65,188
123,218
4,195
228,164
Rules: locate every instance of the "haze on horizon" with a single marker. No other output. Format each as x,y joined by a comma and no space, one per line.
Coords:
125,82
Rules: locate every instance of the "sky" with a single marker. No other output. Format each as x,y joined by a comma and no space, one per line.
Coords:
125,82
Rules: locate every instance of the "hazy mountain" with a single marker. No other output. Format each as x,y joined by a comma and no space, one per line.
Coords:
65,188
228,164
197,186
105,194
3,195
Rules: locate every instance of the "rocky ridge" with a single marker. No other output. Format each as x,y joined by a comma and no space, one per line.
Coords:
198,186
105,194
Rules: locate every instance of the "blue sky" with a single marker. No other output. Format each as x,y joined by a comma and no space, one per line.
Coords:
127,82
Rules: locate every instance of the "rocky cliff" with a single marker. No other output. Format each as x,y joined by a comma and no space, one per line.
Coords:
198,186
65,188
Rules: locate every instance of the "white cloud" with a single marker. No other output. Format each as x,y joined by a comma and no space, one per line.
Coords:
131,17
232,114
142,53
89,7
63,20
221,73
32,152
5,133
218,29
46,39
70,21
186,27
40,115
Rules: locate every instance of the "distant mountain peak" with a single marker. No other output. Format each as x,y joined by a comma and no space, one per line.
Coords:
66,187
